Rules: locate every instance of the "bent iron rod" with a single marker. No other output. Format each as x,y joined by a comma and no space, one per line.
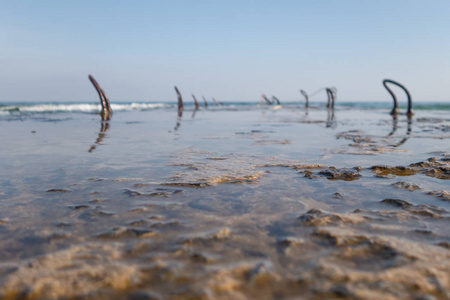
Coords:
306,97
104,101
197,106
263,96
394,111
331,93
276,99
180,100
331,97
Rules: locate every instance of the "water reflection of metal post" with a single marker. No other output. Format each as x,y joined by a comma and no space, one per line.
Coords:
180,115
394,125
394,129
101,135
331,123
194,112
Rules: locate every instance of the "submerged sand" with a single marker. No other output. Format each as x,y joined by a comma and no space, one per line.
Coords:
228,204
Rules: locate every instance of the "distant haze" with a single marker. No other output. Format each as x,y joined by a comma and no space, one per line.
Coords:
230,50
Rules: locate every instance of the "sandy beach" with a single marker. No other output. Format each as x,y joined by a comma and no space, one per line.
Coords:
231,202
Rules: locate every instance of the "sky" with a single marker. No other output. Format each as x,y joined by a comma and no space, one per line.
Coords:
230,50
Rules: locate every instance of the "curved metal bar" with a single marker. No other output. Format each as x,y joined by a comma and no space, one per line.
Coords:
331,94
204,100
276,99
263,96
180,100
99,91
104,101
306,97
180,116
394,110
108,105
330,103
197,106
315,92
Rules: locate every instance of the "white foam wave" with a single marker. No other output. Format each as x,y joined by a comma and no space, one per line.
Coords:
60,107
82,107
139,106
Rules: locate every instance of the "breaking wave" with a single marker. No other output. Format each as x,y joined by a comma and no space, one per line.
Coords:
77,107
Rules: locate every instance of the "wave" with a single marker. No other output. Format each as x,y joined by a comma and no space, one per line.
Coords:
76,107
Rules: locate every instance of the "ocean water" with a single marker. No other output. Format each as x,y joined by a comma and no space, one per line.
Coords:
88,107
239,201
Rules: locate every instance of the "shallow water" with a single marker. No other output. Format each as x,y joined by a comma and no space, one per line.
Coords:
229,203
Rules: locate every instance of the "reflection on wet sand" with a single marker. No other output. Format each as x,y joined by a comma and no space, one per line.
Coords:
101,135
233,218
331,120
394,129
370,144
179,117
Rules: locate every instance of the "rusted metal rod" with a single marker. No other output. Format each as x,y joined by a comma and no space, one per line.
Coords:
306,97
394,110
180,100
275,99
197,106
104,101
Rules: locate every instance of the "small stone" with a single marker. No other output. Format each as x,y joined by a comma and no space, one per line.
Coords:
121,232
80,207
338,195
63,224
444,244
145,295
58,191
397,202
406,186
96,200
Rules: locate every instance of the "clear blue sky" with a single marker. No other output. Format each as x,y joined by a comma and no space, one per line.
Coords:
230,50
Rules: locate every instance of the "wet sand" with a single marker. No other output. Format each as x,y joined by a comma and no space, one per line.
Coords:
231,204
